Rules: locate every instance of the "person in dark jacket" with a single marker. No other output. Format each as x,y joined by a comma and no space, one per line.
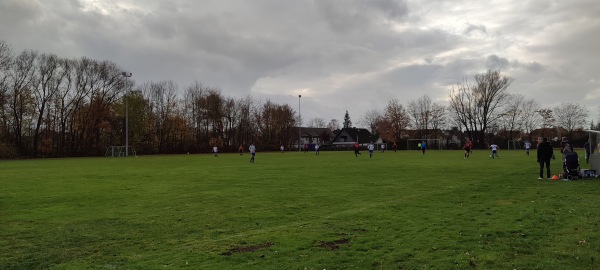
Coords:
544,154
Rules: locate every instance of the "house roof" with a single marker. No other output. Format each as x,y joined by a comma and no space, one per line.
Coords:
356,134
315,132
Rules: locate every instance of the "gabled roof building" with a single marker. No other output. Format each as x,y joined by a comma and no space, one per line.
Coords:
353,135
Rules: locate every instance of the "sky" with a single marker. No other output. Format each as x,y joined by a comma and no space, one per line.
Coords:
340,55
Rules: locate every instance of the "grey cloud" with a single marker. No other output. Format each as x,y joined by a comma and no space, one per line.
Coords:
358,54
533,67
357,15
392,8
475,29
19,12
495,62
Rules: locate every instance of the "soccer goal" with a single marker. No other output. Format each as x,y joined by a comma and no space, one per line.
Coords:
116,151
413,144
514,145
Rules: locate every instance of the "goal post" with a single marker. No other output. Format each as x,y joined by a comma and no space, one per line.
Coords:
115,151
513,145
413,144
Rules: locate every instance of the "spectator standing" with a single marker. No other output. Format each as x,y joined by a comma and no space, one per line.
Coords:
252,149
544,154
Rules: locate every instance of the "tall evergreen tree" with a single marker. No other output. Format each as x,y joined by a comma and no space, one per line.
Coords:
347,122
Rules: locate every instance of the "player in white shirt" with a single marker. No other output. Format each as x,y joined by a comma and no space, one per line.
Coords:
216,151
252,149
527,147
494,151
317,149
371,147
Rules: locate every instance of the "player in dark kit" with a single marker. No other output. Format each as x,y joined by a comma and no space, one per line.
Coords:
468,146
356,147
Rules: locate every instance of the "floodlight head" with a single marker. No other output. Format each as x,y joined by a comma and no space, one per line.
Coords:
126,74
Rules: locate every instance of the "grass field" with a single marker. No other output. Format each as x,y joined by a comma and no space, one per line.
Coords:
398,210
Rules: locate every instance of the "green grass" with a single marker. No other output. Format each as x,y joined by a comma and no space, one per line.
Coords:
296,211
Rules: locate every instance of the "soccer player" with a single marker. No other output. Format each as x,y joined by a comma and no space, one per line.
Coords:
241,149
356,147
382,147
527,147
252,149
306,148
494,151
395,147
371,147
468,146
317,149
281,148
423,147
216,151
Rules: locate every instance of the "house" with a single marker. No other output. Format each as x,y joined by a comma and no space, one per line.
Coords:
313,136
347,136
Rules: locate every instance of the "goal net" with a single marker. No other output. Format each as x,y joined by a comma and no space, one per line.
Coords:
514,145
413,144
115,151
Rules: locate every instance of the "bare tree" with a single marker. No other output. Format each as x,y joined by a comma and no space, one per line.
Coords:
50,76
475,105
231,115
371,119
5,55
162,97
570,116
5,62
317,123
511,116
286,120
334,124
426,115
438,116
395,120
247,128
547,116
192,111
530,116
266,122
21,78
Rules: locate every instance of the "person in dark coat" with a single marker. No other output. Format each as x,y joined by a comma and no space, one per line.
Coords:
588,151
544,154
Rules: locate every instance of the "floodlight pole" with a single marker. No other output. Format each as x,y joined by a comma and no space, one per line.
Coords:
299,124
126,75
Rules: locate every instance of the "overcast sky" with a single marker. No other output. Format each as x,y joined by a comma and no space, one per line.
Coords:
341,55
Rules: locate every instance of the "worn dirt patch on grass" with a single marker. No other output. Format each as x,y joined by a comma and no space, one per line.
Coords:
242,249
333,245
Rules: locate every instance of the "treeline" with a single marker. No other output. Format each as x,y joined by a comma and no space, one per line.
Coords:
54,107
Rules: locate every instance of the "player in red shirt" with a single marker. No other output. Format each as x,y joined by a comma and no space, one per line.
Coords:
356,147
468,146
